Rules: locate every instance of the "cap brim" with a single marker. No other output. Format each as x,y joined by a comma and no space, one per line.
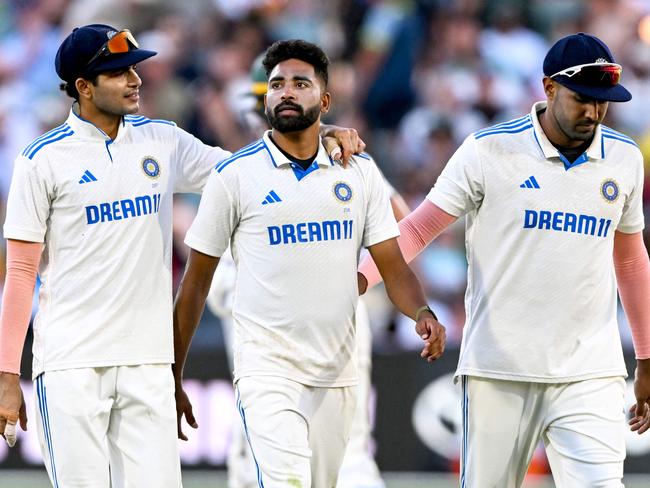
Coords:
120,61
616,93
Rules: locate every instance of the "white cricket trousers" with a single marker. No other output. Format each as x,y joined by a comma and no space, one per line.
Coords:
297,433
110,427
582,425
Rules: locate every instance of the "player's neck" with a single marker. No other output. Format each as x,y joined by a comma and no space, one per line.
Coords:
107,122
555,134
299,144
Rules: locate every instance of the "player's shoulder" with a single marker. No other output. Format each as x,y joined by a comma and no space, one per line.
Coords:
363,157
239,159
42,145
504,130
364,161
140,123
616,137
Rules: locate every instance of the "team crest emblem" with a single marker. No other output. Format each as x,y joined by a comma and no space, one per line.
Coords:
342,192
609,190
151,167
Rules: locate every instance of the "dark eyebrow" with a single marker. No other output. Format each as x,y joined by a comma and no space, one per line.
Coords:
295,78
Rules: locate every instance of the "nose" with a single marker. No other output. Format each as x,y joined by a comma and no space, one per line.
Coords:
134,79
287,92
592,110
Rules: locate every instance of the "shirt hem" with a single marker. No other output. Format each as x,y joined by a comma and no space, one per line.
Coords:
98,364
301,380
23,235
444,205
529,378
378,237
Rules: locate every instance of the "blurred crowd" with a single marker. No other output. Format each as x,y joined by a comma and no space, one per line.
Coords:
415,77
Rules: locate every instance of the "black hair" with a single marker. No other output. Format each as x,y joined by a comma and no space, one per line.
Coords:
69,87
297,49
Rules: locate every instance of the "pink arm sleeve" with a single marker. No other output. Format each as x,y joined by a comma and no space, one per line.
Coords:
23,259
417,230
633,276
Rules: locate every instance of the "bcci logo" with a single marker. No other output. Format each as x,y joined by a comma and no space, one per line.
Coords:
609,191
151,167
342,192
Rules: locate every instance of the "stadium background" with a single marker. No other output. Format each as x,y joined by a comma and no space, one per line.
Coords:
413,76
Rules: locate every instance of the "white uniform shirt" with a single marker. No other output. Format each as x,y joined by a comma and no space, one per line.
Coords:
541,293
296,237
103,208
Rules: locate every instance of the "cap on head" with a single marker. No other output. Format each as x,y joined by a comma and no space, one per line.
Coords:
579,49
73,59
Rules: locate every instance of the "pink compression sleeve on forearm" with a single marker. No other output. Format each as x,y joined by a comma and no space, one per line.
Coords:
417,230
633,276
23,259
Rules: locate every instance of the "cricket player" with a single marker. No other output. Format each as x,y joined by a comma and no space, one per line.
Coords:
295,221
93,197
553,206
358,469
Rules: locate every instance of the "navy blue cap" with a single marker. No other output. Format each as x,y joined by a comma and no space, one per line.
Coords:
83,43
578,49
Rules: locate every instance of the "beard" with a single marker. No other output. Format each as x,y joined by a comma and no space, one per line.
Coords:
294,123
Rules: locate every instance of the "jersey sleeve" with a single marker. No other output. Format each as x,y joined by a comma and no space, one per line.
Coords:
632,217
461,185
215,220
28,203
380,222
194,161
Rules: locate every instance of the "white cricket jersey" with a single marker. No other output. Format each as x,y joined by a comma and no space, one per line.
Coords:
296,236
103,208
541,292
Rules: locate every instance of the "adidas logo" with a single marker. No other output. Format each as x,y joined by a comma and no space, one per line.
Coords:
530,183
87,177
272,197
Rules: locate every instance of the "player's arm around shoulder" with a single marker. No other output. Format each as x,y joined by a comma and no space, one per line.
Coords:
341,142
405,291
194,161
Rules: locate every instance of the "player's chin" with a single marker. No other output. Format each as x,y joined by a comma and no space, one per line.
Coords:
584,132
131,107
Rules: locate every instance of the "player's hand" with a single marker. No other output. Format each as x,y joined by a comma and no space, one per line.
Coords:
183,408
362,283
434,336
12,407
640,421
348,143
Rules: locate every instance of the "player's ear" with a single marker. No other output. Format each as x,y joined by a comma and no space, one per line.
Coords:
83,86
325,101
550,88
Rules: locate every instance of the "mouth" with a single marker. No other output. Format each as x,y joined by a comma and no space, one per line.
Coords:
586,126
288,110
135,96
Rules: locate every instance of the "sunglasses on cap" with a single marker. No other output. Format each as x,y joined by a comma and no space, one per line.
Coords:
119,43
594,74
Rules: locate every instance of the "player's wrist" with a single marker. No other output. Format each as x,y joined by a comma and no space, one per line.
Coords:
643,364
9,378
425,309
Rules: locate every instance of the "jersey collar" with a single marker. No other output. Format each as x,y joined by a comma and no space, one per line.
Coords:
279,160
85,128
594,151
